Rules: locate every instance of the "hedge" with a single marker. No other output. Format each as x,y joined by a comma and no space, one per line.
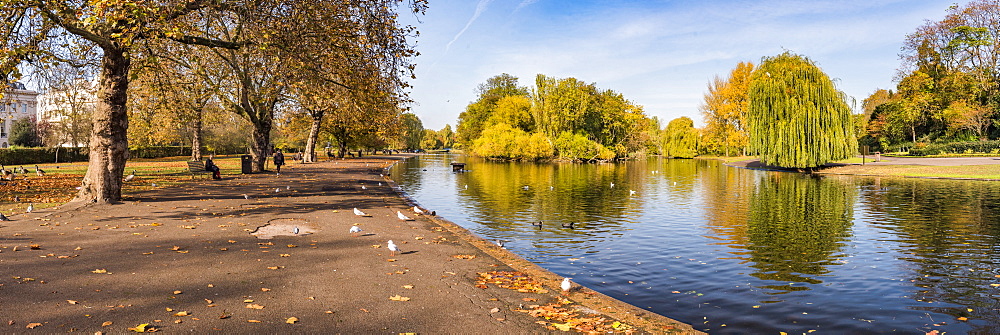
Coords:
985,147
21,156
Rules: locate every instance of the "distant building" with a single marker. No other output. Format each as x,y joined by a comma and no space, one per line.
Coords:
18,102
67,111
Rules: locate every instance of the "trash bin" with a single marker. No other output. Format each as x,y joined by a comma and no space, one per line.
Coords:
247,164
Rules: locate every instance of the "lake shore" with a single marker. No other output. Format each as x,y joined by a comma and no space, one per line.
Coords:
964,168
182,258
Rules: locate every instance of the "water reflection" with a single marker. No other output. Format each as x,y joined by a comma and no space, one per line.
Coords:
796,227
761,252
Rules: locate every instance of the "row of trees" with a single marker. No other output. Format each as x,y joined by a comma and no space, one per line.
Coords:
785,111
949,86
565,118
176,63
948,91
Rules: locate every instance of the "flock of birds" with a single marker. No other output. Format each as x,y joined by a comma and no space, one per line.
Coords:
11,175
393,248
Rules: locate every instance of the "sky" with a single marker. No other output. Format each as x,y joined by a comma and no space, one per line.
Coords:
660,54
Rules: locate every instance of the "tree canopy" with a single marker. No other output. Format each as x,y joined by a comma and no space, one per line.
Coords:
796,116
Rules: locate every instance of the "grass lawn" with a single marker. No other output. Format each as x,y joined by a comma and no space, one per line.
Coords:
964,171
59,184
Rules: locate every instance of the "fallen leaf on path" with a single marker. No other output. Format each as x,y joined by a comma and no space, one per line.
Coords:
254,321
264,289
143,328
107,323
464,256
100,271
178,292
72,302
292,320
33,325
182,313
399,298
408,286
255,306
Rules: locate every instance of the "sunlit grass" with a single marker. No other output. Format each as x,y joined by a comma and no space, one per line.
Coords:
964,171
59,185
727,159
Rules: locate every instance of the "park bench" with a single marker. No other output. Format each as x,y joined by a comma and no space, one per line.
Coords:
197,167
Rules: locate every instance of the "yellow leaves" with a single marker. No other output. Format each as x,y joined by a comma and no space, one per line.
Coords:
962,318
143,328
254,306
101,271
107,323
513,280
33,325
182,313
464,256
292,320
408,287
178,292
275,267
264,289
562,326
253,321
399,298
72,302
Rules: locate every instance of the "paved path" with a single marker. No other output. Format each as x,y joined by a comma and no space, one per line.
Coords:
183,260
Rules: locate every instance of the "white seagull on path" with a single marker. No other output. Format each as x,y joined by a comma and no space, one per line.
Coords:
417,210
403,217
393,249
566,285
358,212
355,230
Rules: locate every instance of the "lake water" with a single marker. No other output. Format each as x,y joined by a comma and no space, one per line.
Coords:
741,251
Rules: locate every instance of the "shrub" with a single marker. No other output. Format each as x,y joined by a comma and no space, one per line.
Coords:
579,147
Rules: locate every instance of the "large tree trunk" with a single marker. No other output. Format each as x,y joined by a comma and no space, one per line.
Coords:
196,137
108,139
310,154
260,143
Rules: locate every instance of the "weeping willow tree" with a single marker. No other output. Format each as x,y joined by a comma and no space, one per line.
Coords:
797,118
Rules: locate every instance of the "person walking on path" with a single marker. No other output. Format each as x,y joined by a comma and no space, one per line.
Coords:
279,160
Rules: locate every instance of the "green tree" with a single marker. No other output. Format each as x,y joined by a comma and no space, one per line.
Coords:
796,117
680,139
475,118
412,131
24,133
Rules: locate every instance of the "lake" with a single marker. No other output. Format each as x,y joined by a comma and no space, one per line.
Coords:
731,250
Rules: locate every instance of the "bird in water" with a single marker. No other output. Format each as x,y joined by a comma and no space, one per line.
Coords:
358,212
525,187
568,225
537,224
355,230
631,192
566,285
403,217
130,177
393,249
31,207
4,217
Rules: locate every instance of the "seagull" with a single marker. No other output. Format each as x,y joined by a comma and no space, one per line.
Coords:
363,187
247,197
631,192
566,285
612,185
129,177
31,207
525,187
277,190
568,225
393,249
295,230
358,212
551,188
153,184
499,243
403,217
4,217
417,210
288,187
355,230
467,186
380,184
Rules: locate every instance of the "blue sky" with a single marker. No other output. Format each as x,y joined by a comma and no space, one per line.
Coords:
659,54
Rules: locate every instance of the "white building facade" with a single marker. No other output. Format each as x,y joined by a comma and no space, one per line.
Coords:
66,109
18,102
